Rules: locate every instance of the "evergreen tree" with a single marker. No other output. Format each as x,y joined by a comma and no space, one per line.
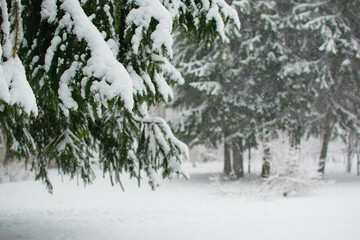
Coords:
294,68
239,92
324,37
96,67
209,115
261,55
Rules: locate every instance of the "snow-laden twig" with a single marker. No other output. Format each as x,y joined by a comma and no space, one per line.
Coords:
14,87
142,16
115,80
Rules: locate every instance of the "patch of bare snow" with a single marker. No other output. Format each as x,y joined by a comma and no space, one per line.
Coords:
200,208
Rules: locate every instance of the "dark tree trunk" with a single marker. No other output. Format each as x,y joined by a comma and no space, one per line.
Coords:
238,159
349,162
265,171
351,150
249,159
325,143
358,164
7,158
227,160
358,155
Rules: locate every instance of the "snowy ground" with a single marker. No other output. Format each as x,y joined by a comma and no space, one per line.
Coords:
200,208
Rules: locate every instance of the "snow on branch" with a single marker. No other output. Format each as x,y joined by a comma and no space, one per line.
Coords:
355,47
163,88
329,46
141,18
168,134
49,10
67,138
210,87
64,89
14,87
115,80
138,82
298,68
266,5
250,43
215,10
163,133
270,21
175,151
171,71
213,14
318,22
243,5
306,6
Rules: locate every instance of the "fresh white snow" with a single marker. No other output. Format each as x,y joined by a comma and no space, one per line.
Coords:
14,87
203,207
115,80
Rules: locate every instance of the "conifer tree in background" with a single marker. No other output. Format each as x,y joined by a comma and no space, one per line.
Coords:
294,67
95,68
261,55
325,41
206,119
209,113
249,97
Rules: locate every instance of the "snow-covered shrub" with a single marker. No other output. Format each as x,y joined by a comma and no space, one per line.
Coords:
291,174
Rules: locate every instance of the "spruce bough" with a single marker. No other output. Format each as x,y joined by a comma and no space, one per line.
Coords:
78,77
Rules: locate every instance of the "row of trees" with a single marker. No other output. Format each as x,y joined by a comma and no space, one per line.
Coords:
294,67
77,79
